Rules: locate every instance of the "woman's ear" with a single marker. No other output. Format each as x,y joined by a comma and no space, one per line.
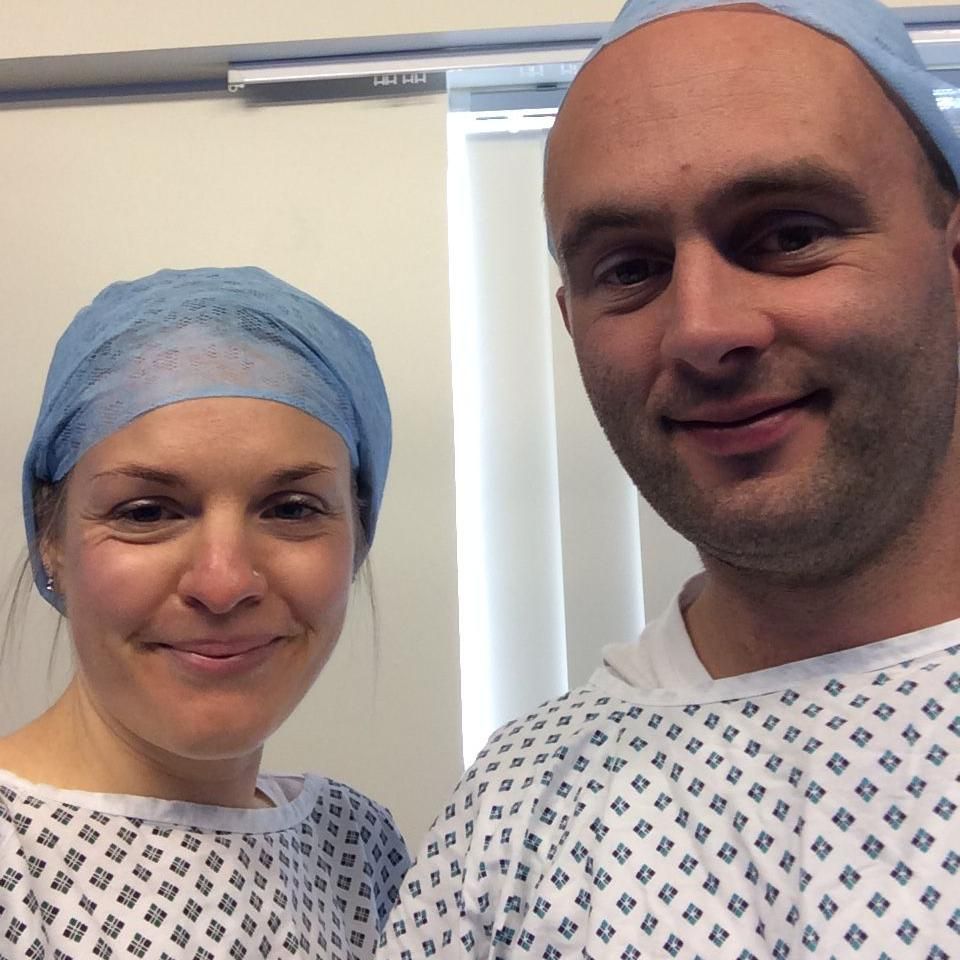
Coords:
49,505
51,560
359,556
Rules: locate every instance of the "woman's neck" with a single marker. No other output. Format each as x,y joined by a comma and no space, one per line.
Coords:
74,747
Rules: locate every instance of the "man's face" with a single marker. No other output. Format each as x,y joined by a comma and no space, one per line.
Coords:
761,304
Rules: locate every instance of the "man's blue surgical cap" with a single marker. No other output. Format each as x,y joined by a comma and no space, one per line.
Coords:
873,31
186,334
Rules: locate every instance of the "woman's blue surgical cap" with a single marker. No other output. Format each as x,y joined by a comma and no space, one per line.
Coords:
186,334
872,30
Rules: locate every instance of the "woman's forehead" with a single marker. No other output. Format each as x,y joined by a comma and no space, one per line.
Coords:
259,436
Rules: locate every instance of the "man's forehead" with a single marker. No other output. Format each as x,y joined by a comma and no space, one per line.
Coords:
752,66
737,36
869,31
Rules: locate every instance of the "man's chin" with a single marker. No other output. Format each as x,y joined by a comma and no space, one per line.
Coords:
762,527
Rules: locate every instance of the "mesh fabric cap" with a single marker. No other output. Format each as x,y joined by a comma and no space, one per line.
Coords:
186,334
872,30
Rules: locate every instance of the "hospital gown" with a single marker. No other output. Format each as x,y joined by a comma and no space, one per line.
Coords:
88,876
804,811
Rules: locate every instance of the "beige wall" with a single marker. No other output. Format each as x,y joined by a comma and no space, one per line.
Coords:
53,27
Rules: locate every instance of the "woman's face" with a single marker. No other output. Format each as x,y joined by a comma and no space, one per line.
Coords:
206,555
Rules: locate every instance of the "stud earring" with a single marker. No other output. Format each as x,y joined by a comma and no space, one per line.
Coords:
49,585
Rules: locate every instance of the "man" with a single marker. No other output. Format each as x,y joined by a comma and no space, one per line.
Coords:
754,214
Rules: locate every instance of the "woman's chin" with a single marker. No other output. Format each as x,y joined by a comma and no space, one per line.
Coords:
215,743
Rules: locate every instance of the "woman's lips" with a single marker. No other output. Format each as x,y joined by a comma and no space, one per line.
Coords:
221,657
229,647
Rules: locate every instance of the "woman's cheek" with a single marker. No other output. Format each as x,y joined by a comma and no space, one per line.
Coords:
115,581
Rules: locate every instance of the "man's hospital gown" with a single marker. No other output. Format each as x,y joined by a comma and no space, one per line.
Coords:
804,811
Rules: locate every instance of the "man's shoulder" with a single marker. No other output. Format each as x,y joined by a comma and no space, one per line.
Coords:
555,723
524,758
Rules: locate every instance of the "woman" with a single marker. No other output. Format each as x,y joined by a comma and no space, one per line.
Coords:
202,484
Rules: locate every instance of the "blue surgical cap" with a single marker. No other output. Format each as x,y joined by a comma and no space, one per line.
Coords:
872,30
186,334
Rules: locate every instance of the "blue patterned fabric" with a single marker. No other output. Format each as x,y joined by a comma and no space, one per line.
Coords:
806,811
185,334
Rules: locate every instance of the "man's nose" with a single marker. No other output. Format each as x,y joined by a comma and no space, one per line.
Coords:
715,324
220,574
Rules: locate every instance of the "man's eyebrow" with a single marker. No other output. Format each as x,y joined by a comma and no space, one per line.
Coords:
803,176
797,177
589,222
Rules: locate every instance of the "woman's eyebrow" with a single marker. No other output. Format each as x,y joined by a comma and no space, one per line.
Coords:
299,472
139,471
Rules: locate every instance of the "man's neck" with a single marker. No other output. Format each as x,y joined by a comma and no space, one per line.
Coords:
741,622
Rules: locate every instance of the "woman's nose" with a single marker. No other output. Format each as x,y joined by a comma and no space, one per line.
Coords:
220,575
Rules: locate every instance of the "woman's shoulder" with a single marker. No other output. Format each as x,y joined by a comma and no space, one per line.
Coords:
21,752
8,832
341,801
354,819
15,794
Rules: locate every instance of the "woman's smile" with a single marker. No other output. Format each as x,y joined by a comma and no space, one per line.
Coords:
220,658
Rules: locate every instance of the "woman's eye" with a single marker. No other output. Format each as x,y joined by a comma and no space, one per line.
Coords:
143,513
296,509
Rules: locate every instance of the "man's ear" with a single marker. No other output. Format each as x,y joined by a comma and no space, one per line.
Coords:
953,250
562,304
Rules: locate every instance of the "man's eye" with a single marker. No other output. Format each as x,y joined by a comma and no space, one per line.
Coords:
629,273
789,238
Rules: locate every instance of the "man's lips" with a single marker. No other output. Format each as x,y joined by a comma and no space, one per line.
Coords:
728,416
747,428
